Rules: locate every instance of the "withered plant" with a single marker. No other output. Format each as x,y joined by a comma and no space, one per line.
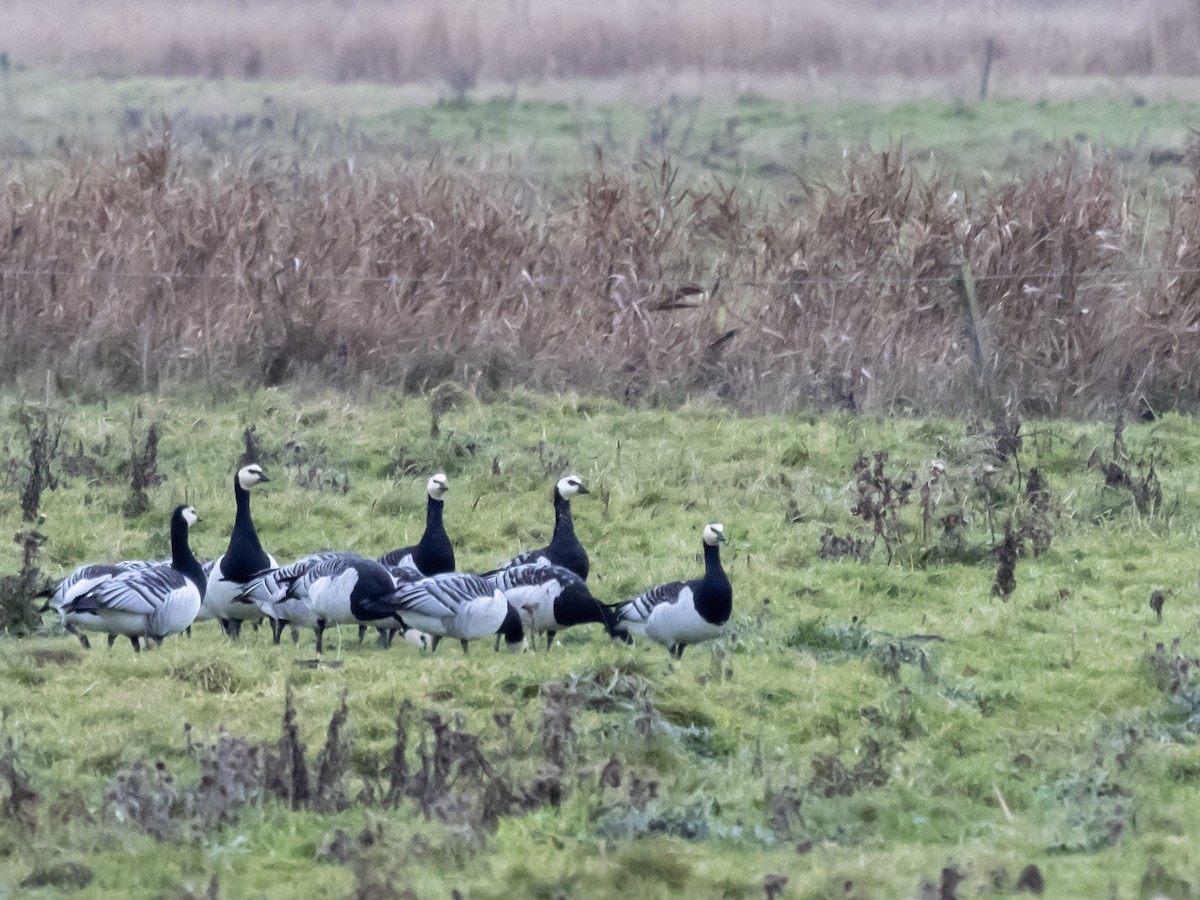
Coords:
44,436
143,473
634,283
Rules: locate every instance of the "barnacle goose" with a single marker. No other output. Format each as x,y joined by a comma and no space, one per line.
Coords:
432,555
228,598
683,612
82,580
564,548
330,588
555,597
149,602
456,605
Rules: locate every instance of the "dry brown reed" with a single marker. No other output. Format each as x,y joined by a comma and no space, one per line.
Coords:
132,273
522,39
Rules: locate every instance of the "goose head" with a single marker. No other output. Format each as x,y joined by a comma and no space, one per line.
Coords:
714,533
437,486
189,515
251,475
512,629
569,486
418,639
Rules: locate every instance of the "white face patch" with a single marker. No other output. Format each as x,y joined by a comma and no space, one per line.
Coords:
250,475
438,485
570,486
189,516
714,533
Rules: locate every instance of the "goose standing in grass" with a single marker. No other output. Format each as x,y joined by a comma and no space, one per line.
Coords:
82,580
330,588
148,602
239,567
455,605
683,612
554,598
564,548
432,555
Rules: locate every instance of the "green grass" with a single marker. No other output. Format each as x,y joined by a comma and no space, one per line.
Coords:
554,131
1048,700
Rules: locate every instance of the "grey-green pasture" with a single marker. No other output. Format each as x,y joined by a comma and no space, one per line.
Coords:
862,727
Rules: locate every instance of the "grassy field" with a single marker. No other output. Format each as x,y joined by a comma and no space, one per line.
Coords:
765,135
863,728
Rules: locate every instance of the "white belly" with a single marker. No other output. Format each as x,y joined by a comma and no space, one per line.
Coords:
536,601
108,621
480,618
679,623
330,597
221,597
177,612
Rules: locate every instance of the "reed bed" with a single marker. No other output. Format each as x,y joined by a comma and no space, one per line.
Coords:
130,273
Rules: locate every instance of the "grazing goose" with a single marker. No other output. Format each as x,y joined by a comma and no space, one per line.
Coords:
432,555
683,612
455,605
330,589
149,602
82,580
564,548
228,598
556,597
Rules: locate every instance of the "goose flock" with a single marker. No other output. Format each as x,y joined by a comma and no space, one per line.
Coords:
414,591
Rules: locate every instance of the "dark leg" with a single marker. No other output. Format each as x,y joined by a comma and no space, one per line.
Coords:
497,642
137,648
362,633
112,639
464,646
71,629
384,639
550,638
235,628
226,627
188,631
320,634
433,644
677,651
277,630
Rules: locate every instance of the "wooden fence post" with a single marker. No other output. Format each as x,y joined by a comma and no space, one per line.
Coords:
981,345
989,53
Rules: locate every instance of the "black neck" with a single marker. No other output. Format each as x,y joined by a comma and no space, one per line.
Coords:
576,606
565,549
182,558
714,600
434,554
433,514
243,543
562,516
